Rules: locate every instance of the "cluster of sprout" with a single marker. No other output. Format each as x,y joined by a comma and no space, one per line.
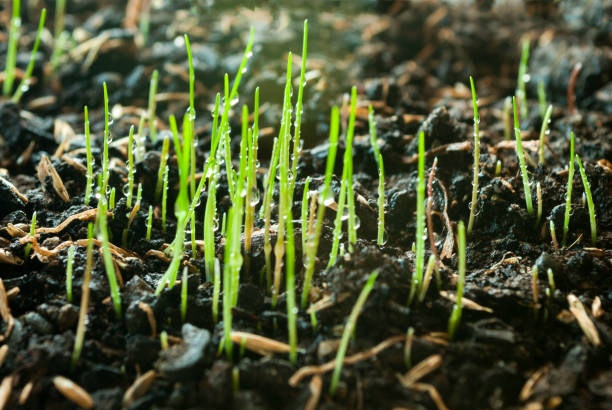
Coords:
240,220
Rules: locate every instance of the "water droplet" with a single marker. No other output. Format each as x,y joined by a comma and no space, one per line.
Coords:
234,102
244,70
255,197
357,222
526,78
126,189
249,54
345,213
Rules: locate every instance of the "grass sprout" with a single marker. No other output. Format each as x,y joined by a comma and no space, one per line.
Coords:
164,198
539,200
184,285
11,53
506,116
81,326
149,223
130,189
476,157
380,239
417,274
252,194
290,293
325,198
108,259
568,193
152,106
455,317
523,77
590,204
346,190
304,214
542,98
267,208
297,143
551,280
163,160
408,348
553,235
69,274
284,181
107,137
543,132
59,36
90,160
349,329
521,158
28,247
25,81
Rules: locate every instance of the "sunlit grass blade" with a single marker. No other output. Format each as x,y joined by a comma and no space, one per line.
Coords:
152,106
417,274
543,132
476,156
521,159
108,259
11,53
81,326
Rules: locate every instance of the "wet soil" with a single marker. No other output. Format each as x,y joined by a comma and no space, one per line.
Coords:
411,61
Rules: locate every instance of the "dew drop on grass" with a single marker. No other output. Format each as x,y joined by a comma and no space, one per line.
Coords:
526,78
126,189
255,197
357,222
249,54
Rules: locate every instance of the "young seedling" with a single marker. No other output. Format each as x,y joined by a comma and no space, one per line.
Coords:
28,247
498,166
164,159
346,189
59,36
380,240
151,110
431,266
553,235
105,159
349,330
252,194
89,181
216,290
542,98
408,348
325,198
130,185
184,285
140,140
291,305
551,280
149,222
590,204
523,77
69,274
539,199
507,120
543,132
111,199
108,259
304,214
297,143
568,194
267,209
11,53
24,85
476,157
284,181
521,158
164,198
417,274
534,287
80,332
455,317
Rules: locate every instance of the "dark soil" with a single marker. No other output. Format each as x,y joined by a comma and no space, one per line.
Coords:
411,61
